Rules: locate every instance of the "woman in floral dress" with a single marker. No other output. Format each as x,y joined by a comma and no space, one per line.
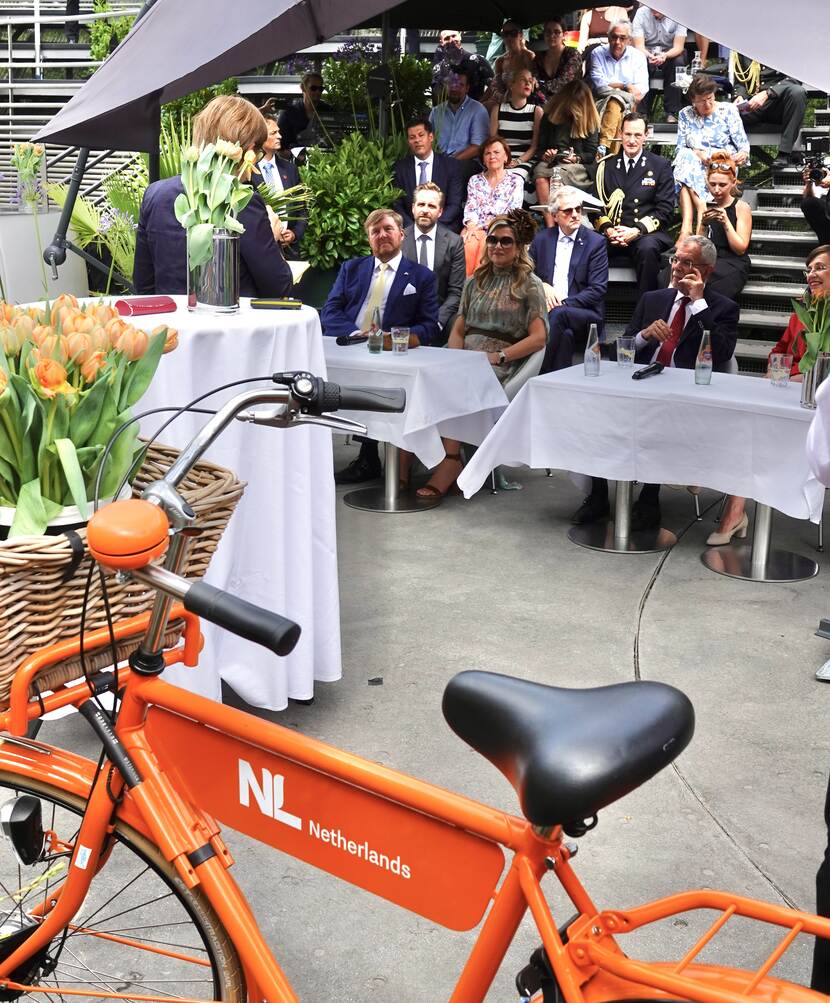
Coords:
489,194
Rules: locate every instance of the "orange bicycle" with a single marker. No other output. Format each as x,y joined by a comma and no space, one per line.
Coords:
116,882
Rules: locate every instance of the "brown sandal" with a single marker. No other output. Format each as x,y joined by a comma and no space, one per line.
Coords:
430,492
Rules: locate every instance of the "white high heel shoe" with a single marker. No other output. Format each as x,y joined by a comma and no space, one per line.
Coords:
739,530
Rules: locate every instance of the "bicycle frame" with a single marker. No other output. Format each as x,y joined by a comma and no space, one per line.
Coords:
430,851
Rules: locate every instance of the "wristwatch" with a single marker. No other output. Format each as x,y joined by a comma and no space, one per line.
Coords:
502,359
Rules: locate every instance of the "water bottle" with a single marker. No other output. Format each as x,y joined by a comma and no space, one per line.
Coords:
703,366
555,179
592,352
697,63
375,343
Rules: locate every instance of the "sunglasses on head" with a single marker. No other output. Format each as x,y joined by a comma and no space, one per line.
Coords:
493,240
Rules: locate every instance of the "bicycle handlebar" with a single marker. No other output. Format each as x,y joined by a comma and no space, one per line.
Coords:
392,400
242,618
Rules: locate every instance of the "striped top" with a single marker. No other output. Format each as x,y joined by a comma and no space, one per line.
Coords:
516,126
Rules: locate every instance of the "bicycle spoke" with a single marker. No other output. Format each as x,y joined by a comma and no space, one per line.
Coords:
112,898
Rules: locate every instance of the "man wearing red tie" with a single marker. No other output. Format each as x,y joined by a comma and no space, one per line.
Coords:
667,327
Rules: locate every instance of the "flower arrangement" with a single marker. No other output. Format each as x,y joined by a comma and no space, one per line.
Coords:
214,194
26,159
69,376
288,203
814,313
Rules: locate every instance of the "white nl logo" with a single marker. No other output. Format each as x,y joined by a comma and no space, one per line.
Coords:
269,796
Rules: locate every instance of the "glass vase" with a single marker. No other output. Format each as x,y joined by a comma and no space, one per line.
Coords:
813,379
213,287
30,199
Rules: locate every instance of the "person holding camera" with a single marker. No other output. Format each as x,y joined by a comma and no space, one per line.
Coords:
816,207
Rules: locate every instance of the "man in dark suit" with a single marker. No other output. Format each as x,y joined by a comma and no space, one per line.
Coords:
403,291
572,262
426,165
438,249
667,327
637,189
279,174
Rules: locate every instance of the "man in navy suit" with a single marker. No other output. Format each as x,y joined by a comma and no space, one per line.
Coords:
426,165
403,291
279,174
572,262
667,327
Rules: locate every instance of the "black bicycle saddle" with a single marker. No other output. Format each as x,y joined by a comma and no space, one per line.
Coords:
569,752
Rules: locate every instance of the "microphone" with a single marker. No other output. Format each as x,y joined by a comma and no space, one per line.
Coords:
653,370
358,338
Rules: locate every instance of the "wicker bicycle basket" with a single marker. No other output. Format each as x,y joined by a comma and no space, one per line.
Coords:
38,607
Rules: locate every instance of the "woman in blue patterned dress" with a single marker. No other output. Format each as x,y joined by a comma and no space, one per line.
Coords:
707,127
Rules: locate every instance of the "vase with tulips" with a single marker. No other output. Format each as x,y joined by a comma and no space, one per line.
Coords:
26,160
69,377
814,313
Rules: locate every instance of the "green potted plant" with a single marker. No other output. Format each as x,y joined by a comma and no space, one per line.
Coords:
814,313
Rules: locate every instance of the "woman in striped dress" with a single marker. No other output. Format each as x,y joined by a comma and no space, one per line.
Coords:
517,120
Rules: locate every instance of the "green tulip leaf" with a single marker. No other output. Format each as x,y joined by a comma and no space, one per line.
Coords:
30,518
232,223
83,421
73,473
200,244
142,371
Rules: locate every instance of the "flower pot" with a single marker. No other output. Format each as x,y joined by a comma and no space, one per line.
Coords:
213,287
813,379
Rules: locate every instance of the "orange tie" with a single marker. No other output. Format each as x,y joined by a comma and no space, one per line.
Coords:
678,323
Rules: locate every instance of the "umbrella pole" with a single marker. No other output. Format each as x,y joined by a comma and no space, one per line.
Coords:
387,44
55,253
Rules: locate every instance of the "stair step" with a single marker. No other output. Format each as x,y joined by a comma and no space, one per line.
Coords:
779,212
771,261
763,318
746,348
758,288
781,236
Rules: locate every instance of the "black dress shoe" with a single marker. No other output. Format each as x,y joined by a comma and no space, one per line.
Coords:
645,516
591,510
358,470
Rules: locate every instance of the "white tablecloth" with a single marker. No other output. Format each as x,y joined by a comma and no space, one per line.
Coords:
280,547
738,435
448,392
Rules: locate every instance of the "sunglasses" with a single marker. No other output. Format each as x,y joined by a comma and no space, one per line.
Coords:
510,33
618,38
316,87
501,241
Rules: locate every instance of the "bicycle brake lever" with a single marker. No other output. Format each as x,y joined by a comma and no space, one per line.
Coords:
281,417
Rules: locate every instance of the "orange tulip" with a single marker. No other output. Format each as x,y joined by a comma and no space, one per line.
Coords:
24,323
41,332
51,376
133,343
100,340
93,364
11,340
61,302
79,347
171,342
8,312
115,328
55,346
101,312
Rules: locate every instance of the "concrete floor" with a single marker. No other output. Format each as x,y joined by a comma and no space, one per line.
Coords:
493,583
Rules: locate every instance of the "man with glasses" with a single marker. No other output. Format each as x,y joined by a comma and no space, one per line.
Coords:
637,190
663,42
300,122
667,327
619,80
572,262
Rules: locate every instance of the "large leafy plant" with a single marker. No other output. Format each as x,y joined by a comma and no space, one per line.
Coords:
348,183
69,377
213,194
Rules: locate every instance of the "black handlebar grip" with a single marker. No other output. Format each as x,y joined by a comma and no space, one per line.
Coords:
390,399
242,618
330,397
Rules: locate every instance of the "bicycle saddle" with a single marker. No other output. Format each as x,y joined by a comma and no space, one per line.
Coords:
569,752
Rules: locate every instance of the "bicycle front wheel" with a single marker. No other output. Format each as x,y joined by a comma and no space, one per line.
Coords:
139,932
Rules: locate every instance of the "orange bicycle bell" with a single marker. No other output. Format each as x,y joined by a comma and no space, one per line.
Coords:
128,534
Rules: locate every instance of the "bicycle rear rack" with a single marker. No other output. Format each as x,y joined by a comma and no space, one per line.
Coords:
592,948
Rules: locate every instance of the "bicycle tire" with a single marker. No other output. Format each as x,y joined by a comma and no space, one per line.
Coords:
123,952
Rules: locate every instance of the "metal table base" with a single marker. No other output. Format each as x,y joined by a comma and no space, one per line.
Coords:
759,563
389,498
617,537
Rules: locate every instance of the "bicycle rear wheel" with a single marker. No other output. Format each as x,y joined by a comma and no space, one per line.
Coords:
140,931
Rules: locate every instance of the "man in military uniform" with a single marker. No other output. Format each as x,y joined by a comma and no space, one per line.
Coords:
637,190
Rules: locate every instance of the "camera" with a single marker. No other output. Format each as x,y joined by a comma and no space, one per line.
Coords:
816,157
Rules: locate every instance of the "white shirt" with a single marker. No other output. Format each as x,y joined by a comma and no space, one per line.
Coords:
270,174
389,277
428,161
562,264
692,308
430,235
633,161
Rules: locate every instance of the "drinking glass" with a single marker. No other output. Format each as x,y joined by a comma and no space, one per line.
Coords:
375,342
779,369
400,340
625,351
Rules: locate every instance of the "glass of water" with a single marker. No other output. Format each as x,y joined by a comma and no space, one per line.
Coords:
375,343
779,369
400,340
625,351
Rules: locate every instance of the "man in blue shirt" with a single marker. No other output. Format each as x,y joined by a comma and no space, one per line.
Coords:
461,123
619,80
